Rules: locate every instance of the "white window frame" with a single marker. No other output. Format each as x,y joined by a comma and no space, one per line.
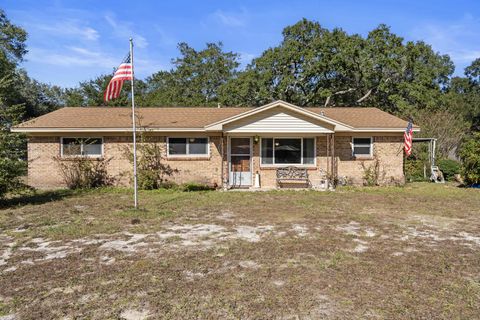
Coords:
188,155
362,145
308,165
81,148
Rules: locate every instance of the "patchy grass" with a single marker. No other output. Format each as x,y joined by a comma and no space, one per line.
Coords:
357,253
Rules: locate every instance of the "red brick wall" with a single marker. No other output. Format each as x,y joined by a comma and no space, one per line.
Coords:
43,170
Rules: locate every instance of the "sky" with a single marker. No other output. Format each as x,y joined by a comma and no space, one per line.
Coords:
71,41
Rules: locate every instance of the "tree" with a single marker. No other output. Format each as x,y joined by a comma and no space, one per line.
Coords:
37,98
470,155
12,146
12,40
90,93
314,66
195,79
448,128
12,149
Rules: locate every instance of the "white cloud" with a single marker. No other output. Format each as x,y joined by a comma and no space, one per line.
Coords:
231,19
69,28
459,39
72,57
123,29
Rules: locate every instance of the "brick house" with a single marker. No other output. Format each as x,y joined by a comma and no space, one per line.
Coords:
226,147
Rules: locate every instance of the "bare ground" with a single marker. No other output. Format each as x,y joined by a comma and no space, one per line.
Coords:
374,253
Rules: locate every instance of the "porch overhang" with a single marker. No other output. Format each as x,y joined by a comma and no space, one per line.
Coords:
274,116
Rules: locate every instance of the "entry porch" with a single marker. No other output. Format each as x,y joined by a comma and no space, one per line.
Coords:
279,160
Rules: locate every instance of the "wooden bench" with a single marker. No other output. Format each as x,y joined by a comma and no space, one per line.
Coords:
292,175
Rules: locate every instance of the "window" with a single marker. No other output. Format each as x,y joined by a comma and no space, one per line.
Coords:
362,146
284,151
90,147
187,146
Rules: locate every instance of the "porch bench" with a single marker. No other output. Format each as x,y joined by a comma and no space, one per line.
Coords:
292,175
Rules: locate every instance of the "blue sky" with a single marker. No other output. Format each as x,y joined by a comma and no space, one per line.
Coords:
72,41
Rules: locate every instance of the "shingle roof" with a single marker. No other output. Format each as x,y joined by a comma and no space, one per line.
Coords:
193,117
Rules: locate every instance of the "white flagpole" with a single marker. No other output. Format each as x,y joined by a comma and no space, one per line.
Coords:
134,130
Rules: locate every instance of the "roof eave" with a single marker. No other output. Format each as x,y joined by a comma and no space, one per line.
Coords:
61,130
378,130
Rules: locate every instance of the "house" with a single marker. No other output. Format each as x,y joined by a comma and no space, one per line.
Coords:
226,147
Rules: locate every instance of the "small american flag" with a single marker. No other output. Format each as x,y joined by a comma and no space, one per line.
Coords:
124,72
408,136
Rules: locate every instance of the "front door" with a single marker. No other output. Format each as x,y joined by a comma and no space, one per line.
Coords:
240,170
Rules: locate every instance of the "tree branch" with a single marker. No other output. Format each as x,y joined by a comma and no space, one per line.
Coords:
369,92
336,94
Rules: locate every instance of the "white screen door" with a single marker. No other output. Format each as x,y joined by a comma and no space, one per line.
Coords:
240,162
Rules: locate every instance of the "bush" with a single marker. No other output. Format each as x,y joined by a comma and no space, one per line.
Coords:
449,168
152,173
84,173
414,171
373,174
470,155
193,186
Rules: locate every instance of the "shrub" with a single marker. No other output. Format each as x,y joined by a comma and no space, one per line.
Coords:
470,155
414,170
152,173
373,174
449,168
84,173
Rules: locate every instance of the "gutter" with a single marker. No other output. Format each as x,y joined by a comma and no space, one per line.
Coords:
128,130
62,130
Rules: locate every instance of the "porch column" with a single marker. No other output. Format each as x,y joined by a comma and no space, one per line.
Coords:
224,161
331,163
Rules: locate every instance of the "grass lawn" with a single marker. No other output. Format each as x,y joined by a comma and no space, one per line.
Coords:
369,253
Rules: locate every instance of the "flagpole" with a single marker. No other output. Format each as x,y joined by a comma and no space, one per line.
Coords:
134,130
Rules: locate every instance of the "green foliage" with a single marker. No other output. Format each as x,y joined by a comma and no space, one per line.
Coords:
12,146
152,172
195,79
12,40
470,155
84,173
315,66
90,93
449,168
414,170
373,173
10,172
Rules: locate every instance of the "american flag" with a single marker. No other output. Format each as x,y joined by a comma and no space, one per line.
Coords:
408,136
124,72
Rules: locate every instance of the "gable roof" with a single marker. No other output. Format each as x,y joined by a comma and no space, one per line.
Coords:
277,104
111,119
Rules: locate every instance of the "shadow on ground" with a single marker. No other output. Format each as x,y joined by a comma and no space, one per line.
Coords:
36,197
